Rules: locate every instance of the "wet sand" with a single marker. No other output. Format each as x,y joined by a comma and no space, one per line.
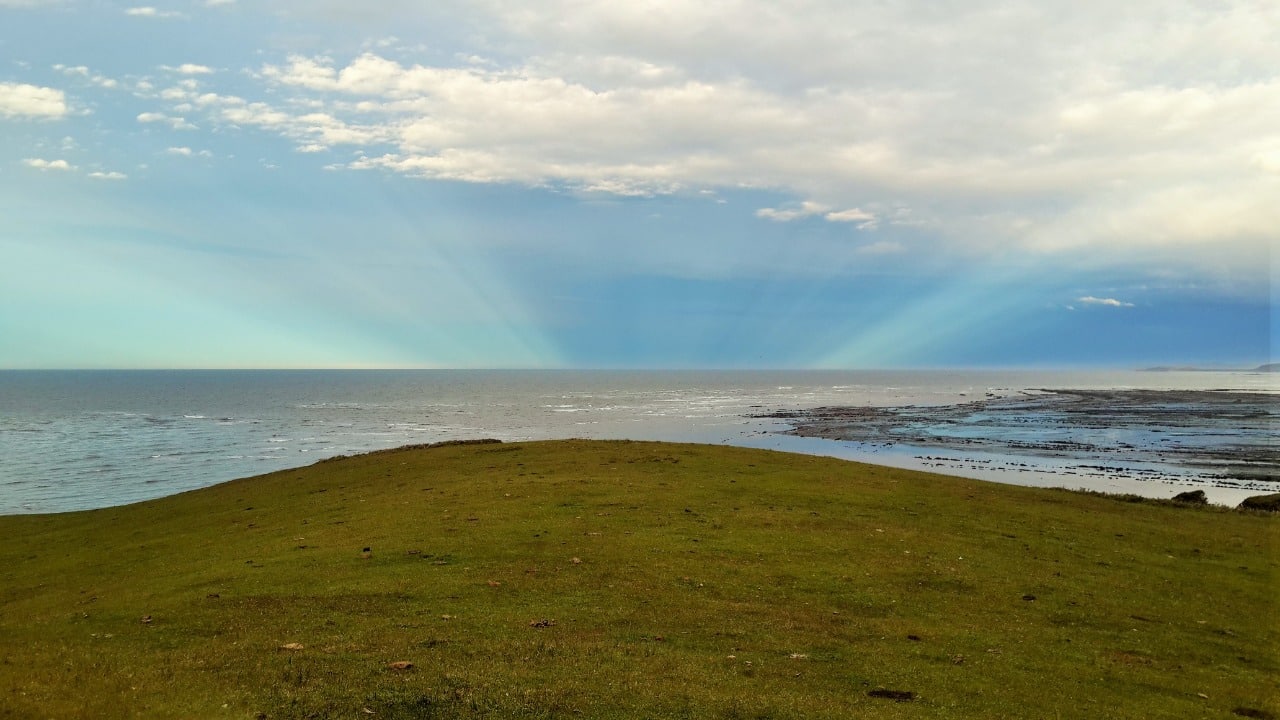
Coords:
1220,439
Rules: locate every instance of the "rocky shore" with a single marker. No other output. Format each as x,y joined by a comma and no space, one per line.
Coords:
1222,438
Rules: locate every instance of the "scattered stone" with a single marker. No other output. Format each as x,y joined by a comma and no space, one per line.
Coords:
400,665
799,656
1192,497
544,623
1028,598
1266,503
913,638
576,561
957,659
146,619
895,695
292,647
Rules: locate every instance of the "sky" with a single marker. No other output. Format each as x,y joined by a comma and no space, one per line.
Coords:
657,183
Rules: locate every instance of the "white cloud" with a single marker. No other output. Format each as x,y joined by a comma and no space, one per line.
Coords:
148,11
1119,135
188,152
808,208
22,100
99,175
191,69
42,164
175,122
1106,302
82,71
853,215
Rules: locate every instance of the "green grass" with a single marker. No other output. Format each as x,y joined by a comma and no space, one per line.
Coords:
676,581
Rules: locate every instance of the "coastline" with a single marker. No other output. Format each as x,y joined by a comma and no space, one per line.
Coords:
75,440
1147,442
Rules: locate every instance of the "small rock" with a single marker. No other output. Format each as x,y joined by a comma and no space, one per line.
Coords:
146,619
544,623
895,695
1028,598
400,665
292,647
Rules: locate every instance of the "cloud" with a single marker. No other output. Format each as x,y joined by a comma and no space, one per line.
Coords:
82,71
42,164
999,136
808,208
33,101
177,123
99,175
188,152
851,215
1106,302
863,219
188,69
148,11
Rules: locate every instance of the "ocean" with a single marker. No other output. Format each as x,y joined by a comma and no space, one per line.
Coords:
74,440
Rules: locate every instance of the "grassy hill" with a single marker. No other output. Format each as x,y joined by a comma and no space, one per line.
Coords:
617,579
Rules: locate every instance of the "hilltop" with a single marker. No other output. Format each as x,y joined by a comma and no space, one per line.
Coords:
627,579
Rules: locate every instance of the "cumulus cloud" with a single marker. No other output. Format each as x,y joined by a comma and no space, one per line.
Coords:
83,72
808,208
188,69
175,122
185,151
42,164
112,175
1118,132
148,11
1105,302
34,101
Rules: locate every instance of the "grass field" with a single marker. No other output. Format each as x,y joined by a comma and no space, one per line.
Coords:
617,579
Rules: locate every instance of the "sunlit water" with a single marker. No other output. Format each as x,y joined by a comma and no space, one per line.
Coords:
76,440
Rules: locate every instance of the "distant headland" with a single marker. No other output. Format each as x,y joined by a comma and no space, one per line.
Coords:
1269,367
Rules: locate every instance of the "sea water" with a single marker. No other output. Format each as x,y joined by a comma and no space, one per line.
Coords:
72,440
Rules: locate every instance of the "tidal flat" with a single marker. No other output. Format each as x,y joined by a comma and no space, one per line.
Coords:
1216,439
614,579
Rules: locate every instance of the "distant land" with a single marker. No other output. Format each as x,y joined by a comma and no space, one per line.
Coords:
1269,367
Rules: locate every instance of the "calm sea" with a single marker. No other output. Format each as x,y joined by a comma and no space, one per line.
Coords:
73,440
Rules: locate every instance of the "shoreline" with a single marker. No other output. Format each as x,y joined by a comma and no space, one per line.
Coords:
152,435
1129,441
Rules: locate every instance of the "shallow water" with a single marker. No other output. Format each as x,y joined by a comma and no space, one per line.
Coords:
82,439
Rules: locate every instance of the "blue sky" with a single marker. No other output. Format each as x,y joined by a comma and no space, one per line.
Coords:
562,183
